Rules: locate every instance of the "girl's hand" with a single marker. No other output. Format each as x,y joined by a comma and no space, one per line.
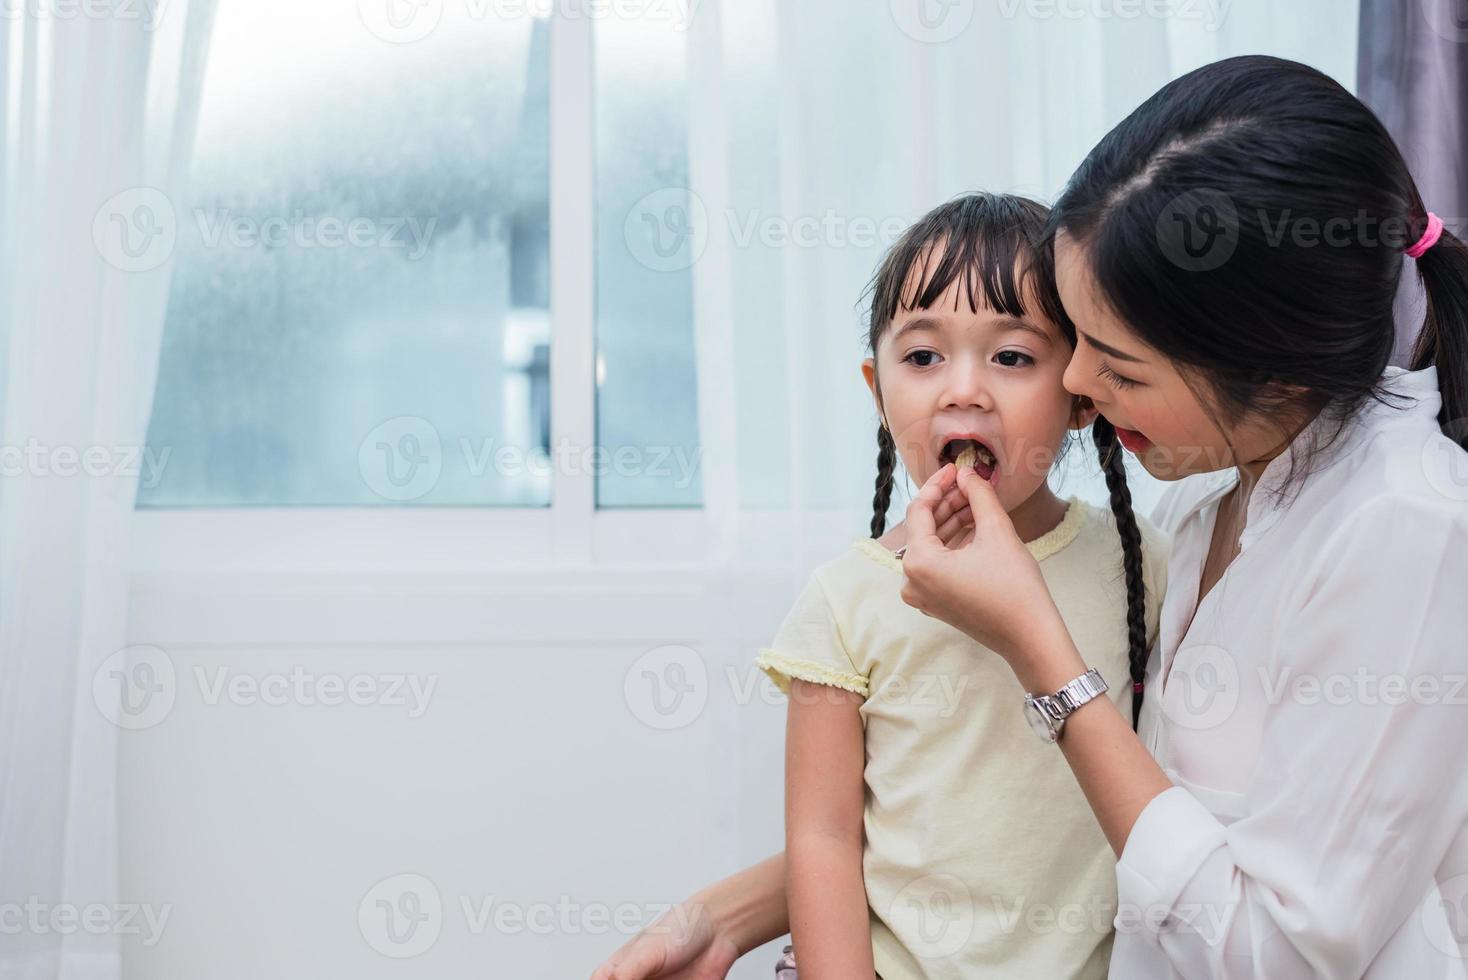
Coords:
683,944
986,583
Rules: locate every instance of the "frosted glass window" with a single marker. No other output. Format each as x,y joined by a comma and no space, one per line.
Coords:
359,310
647,239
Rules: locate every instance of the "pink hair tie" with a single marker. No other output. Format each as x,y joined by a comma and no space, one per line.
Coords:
1137,687
1429,237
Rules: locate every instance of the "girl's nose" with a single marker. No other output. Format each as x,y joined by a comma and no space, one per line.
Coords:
968,387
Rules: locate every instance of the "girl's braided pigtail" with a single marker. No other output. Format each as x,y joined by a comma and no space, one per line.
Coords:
1108,451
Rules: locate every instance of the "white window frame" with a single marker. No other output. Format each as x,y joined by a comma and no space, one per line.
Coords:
170,546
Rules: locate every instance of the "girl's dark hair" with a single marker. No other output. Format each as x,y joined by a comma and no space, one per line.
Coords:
1248,222
996,246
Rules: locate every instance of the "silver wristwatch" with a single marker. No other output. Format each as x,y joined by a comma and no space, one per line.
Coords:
1046,713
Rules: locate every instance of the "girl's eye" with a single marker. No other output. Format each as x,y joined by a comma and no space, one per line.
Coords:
1115,379
921,353
1012,355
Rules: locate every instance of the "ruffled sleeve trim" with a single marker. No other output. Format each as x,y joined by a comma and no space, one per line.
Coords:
782,669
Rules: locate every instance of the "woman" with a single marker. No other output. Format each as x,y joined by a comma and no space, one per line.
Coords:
1230,254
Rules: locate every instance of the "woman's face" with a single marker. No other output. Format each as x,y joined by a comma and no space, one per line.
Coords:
1156,409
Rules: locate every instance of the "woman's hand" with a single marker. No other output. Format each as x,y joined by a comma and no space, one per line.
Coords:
683,944
986,583
701,938
953,518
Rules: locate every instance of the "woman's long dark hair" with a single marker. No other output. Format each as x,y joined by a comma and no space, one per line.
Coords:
996,245
1248,222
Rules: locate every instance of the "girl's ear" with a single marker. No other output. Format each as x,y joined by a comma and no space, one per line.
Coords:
1083,413
869,372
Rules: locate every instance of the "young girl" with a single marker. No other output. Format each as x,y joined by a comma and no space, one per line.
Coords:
929,832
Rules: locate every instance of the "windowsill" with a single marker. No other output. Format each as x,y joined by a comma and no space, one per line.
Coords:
368,541
460,576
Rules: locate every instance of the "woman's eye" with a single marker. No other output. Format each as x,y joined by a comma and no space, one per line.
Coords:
921,353
1115,379
1013,358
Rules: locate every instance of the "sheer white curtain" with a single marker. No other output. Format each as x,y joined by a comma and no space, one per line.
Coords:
98,122
813,124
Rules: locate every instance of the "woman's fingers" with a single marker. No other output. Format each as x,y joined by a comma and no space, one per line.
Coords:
950,529
921,520
952,502
639,962
983,501
940,511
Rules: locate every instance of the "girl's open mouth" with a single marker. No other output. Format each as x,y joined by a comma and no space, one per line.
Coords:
972,454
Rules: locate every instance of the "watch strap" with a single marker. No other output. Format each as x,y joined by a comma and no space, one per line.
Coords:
1079,691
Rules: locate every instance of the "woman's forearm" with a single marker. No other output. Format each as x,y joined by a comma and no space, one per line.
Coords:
1113,768
1115,771
750,906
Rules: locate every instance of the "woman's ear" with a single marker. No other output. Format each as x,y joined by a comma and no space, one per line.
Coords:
1083,413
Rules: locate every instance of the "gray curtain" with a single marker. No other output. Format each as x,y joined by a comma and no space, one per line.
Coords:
1412,69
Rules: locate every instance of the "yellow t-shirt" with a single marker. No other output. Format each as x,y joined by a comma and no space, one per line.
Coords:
981,856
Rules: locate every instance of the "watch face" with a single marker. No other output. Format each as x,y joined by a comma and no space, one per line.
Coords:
1039,721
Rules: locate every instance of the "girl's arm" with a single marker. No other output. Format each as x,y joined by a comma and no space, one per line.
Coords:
825,755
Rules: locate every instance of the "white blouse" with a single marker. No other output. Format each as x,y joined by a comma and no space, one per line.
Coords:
1313,719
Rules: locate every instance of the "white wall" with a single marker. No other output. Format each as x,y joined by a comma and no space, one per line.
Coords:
531,779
